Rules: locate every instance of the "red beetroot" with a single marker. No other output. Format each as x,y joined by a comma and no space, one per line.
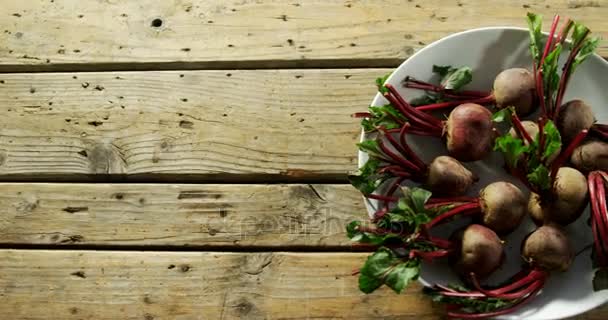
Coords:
469,130
544,250
516,87
564,203
589,156
572,118
479,250
501,206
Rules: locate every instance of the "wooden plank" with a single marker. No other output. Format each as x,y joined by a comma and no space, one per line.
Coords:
169,285
41,35
140,215
189,285
291,125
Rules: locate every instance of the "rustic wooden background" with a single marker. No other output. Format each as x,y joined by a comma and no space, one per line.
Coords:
188,159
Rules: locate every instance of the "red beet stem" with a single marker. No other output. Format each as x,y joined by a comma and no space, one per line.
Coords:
495,313
540,83
379,214
603,211
520,128
596,219
441,105
565,155
381,197
469,208
563,33
394,185
533,275
448,93
389,168
509,296
361,115
408,151
450,200
563,81
439,242
600,132
429,256
401,174
434,122
400,160
550,38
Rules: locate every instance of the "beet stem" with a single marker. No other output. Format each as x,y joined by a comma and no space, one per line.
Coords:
379,214
449,200
361,115
441,105
507,296
603,211
408,151
563,33
448,93
496,313
439,242
469,208
563,81
520,128
429,256
533,275
565,155
433,122
404,162
595,216
541,94
381,197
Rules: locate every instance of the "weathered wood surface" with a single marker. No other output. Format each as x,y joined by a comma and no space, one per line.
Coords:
187,125
170,285
140,215
38,284
177,34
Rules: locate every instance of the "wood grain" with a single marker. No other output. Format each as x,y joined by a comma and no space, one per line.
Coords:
177,216
122,35
259,125
188,285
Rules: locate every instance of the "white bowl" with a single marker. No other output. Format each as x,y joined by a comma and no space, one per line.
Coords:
488,51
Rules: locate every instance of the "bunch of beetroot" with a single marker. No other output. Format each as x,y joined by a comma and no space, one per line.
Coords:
550,154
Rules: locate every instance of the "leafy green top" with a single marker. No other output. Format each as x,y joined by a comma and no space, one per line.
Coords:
397,233
535,164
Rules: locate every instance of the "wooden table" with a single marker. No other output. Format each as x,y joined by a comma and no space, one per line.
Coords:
188,159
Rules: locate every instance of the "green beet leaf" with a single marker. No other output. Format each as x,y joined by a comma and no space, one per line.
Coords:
384,267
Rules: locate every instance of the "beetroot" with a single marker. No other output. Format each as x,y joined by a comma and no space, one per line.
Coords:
564,203
544,250
516,87
548,248
590,156
572,118
479,250
469,130
501,206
